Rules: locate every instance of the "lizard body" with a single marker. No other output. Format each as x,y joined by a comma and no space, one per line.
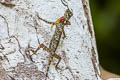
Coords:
60,23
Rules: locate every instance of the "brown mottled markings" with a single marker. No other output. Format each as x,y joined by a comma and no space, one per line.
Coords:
55,39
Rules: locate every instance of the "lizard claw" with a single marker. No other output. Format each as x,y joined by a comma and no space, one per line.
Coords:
64,36
57,68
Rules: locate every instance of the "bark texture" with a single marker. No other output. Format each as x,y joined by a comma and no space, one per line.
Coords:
21,30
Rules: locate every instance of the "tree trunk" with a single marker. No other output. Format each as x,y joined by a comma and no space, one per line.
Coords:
22,31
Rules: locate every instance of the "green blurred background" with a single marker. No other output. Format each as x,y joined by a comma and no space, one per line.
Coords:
106,20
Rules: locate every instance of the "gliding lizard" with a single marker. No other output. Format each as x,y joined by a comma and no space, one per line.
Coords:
60,23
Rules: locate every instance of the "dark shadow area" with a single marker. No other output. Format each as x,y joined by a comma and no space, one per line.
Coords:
106,20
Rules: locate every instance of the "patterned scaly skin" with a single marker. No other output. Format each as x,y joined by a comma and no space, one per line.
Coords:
60,23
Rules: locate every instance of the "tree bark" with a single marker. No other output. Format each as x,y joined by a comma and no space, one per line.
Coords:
21,30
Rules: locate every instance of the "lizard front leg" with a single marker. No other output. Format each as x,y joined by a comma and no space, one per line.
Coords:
48,22
64,35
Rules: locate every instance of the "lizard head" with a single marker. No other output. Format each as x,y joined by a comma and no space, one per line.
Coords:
68,14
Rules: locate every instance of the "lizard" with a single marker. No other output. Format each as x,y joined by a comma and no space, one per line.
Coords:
60,23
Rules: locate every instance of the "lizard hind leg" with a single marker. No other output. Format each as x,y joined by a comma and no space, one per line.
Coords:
38,48
50,57
41,46
59,59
